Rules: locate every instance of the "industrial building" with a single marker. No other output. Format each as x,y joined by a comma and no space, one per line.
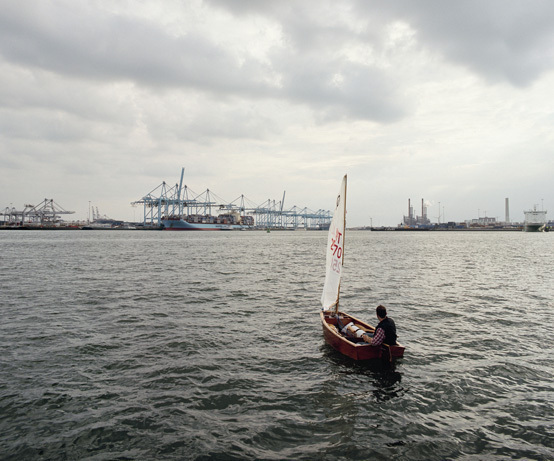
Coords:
416,221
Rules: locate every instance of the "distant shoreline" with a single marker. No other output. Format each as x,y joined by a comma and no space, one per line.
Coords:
365,229
467,229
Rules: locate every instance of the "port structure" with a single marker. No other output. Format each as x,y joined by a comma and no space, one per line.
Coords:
46,214
180,200
270,214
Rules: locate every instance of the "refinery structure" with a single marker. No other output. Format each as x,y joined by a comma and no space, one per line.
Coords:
416,221
535,221
412,221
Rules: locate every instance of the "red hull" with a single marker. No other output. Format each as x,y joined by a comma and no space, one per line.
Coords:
196,229
356,351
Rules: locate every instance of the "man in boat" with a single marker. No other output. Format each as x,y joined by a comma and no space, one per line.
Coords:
385,331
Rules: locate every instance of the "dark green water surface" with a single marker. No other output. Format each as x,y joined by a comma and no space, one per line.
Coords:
176,345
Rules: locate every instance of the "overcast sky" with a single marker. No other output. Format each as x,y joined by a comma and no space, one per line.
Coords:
452,102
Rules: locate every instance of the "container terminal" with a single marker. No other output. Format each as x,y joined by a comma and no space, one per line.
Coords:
177,208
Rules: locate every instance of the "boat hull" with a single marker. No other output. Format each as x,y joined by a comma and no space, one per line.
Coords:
356,351
182,225
534,227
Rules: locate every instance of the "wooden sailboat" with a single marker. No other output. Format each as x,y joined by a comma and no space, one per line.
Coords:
334,321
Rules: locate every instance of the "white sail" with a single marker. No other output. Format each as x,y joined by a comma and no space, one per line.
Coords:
335,251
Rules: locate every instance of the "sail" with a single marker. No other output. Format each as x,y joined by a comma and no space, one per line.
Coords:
335,251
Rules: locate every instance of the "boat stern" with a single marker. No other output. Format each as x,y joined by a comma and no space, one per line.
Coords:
356,351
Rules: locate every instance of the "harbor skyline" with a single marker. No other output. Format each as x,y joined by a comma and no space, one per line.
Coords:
101,102
162,202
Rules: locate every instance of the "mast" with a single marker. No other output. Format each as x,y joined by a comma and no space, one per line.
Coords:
344,223
343,242
335,252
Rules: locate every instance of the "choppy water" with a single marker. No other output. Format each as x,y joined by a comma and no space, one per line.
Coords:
153,345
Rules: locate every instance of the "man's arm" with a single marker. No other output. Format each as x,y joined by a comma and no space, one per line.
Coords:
377,339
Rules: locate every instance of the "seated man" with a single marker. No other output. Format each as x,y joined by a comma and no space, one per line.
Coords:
385,331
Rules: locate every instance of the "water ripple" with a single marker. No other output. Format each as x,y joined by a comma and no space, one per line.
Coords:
152,345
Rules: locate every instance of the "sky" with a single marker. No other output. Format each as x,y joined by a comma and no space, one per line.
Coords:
451,102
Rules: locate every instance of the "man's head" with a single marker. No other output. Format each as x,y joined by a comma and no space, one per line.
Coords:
381,311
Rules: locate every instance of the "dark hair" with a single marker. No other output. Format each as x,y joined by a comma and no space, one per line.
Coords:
381,311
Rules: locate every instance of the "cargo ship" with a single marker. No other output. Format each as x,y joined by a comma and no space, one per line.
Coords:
535,221
230,221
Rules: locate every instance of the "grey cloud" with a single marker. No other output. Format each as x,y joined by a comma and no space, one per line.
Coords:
93,45
361,93
26,94
501,40
86,43
314,55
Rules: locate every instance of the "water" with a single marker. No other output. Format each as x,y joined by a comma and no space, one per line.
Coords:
161,345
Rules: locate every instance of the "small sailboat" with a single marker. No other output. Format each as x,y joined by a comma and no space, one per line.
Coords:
343,331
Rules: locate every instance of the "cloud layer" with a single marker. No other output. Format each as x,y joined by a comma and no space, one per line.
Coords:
448,102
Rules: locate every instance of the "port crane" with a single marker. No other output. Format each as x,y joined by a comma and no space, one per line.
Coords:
180,200
46,214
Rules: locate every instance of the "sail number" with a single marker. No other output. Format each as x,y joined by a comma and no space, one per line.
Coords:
336,248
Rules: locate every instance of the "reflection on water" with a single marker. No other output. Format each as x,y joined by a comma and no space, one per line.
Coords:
380,374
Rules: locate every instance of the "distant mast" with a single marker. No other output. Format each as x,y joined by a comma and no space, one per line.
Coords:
181,208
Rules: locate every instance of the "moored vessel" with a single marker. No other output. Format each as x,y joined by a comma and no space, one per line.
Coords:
535,220
229,221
